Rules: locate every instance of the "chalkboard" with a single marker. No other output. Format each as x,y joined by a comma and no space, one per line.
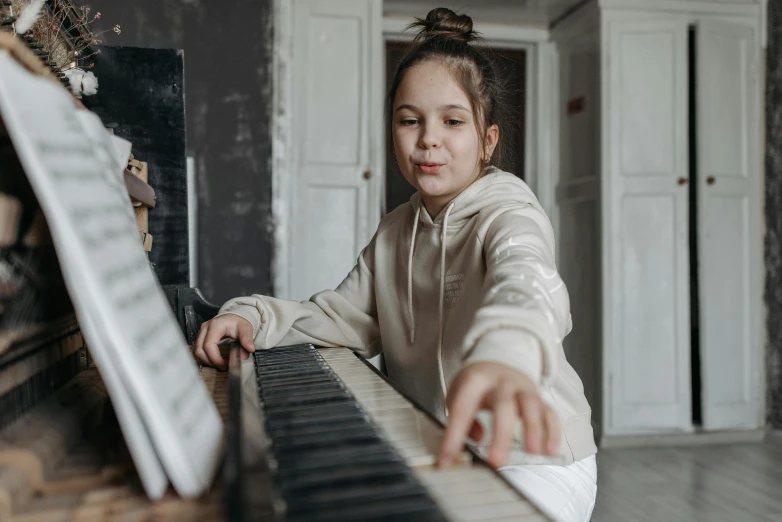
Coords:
141,98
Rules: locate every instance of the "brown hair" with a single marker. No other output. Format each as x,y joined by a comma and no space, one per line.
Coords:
445,37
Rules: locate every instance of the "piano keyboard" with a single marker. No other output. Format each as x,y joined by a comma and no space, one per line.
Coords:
331,461
343,444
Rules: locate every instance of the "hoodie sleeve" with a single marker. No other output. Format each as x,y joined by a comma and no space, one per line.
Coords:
346,316
525,312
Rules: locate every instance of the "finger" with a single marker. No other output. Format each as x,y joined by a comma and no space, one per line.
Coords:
504,419
476,431
244,332
463,407
531,416
198,350
213,336
244,355
552,430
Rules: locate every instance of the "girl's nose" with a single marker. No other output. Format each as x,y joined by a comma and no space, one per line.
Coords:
430,138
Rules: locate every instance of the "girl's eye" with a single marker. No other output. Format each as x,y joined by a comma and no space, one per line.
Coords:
453,123
408,121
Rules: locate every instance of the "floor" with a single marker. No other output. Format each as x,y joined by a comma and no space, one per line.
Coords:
729,482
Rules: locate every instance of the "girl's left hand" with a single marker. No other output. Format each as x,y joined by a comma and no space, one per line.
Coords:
509,395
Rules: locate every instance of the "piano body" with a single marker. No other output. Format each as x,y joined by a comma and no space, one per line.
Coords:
310,434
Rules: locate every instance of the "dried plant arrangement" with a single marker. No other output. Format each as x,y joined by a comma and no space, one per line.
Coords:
60,33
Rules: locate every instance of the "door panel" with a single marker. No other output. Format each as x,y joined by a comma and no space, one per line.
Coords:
334,207
729,225
645,219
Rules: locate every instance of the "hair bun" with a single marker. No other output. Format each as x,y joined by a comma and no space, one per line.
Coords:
444,23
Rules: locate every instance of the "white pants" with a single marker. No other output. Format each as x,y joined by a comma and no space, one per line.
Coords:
564,493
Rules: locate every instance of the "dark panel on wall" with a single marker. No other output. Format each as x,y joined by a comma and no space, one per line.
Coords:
149,112
774,212
228,57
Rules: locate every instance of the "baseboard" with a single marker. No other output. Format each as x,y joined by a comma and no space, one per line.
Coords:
685,439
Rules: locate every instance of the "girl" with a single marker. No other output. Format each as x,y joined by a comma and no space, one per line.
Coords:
459,284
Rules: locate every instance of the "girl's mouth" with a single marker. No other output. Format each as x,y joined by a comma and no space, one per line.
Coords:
430,168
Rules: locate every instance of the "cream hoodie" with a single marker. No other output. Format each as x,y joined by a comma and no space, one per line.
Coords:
485,290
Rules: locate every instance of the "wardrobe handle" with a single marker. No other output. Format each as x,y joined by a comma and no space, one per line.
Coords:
682,181
367,174
710,180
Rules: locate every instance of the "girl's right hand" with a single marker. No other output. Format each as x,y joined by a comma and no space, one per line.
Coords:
229,326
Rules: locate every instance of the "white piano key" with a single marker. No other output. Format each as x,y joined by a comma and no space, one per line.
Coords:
466,493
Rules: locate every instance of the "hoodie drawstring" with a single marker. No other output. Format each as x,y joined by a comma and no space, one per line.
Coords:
444,241
410,277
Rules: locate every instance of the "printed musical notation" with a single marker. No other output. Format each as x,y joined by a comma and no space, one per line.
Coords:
75,167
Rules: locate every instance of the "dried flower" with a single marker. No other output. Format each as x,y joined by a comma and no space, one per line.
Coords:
117,29
97,15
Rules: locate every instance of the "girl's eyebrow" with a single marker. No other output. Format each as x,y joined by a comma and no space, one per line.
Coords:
441,107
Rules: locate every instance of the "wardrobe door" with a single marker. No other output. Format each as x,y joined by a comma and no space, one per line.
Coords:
729,239
645,228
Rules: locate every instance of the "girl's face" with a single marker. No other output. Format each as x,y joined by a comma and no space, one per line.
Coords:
435,139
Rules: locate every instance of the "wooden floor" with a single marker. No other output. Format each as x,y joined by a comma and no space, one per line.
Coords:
730,482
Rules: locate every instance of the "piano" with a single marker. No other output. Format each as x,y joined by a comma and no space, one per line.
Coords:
315,434
330,439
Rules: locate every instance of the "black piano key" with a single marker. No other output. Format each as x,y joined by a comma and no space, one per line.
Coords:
317,399
314,416
364,493
330,460
293,415
302,409
378,458
362,436
305,389
314,459
414,508
297,430
343,476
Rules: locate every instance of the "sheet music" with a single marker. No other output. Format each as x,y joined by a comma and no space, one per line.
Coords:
122,148
130,328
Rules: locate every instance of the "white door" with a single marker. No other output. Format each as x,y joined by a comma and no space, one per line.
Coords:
337,104
729,224
645,227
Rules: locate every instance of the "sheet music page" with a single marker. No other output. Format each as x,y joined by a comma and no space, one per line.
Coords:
72,166
122,149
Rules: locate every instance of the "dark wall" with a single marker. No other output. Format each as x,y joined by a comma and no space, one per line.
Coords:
774,211
228,92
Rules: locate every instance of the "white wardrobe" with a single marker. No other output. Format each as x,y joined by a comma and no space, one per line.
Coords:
659,208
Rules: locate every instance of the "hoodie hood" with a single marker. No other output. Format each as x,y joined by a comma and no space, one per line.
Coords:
494,187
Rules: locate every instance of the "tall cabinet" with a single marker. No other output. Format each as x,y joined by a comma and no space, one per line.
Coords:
679,193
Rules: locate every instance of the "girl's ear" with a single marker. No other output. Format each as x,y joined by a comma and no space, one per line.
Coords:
492,138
